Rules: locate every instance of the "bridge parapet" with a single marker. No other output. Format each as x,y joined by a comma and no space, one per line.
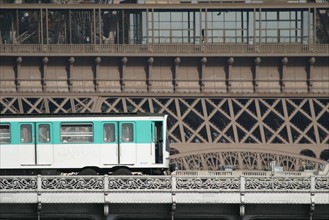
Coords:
198,189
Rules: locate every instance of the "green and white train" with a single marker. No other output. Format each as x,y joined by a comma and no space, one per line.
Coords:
84,143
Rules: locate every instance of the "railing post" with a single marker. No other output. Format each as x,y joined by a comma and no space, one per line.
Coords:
39,184
312,183
312,197
106,184
242,192
39,188
173,193
106,189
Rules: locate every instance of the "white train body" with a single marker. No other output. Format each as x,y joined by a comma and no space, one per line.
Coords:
75,142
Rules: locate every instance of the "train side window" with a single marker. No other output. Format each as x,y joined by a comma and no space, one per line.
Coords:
4,134
77,133
26,133
127,132
44,133
109,132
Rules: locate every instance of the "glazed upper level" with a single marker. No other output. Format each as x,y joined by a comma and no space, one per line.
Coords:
142,28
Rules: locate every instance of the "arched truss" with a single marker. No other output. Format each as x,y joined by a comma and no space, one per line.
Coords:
205,120
242,159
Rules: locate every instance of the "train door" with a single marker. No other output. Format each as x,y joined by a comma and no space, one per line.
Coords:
44,144
158,141
127,143
36,146
110,146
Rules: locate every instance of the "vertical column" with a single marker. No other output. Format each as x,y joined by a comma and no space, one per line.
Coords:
256,70
283,75
98,61
311,74
230,62
203,66
149,74
19,61
70,73
177,62
44,73
124,62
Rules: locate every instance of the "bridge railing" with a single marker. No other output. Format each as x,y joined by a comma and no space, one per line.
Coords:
144,49
163,183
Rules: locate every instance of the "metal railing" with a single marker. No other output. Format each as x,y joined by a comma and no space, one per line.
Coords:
250,182
149,49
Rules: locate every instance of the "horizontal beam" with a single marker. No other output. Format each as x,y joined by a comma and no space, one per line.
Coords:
226,6
183,50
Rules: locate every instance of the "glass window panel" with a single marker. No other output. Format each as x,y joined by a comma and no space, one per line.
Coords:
284,24
77,133
164,16
176,16
229,33
44,133
26,133
4,134
164,33
156,16
178,25
127,132
164,25
177,33
185,33
284,15
109,132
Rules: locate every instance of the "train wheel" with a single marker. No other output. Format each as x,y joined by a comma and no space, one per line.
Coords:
87,171
122,171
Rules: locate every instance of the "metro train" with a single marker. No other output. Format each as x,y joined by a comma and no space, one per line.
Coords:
86,144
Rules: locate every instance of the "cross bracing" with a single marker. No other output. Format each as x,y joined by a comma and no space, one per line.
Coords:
203,123
205,120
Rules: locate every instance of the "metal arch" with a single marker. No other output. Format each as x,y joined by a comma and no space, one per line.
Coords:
243,159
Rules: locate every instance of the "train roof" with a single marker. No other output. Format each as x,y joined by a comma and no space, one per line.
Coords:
62,115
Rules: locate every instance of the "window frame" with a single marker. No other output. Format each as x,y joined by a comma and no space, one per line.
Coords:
69,136
9,133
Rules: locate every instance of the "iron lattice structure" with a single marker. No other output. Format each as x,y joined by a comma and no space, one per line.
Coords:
210,132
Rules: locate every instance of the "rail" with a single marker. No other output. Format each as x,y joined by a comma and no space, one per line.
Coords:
165,49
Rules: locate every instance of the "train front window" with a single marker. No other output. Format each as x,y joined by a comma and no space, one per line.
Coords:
4,134
109,133
44,133
127,132
77,133
26,133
